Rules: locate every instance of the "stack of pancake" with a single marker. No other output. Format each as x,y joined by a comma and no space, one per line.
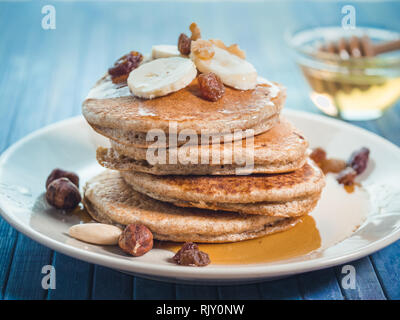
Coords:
197,201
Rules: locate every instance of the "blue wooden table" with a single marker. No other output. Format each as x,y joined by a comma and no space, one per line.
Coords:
45,75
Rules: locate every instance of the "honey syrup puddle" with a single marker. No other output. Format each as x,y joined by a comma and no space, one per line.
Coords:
337,215
81,213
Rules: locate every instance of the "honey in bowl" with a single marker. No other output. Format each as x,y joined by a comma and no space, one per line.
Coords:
353,73
352,96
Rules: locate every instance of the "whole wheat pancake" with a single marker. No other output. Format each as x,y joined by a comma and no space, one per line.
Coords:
115,113
281,149
279,194
109,199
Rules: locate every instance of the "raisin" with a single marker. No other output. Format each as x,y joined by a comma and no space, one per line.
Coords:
211,86
333,165
190,255
318,155
124,65
184,44
359,160
346,176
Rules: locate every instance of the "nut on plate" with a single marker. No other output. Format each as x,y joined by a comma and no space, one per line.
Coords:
136,240
63,194
59,173
96,233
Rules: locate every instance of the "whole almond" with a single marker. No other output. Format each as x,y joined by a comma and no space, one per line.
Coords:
96,233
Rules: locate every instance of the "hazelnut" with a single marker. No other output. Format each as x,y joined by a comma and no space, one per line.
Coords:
63,194
136,240
59,173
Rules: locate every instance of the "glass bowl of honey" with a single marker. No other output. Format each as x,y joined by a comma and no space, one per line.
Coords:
354,74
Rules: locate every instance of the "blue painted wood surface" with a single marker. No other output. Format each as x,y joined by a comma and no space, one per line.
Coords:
45,74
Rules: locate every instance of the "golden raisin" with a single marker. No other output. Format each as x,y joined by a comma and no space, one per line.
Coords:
211,86
333,165
184,44
203,49
318,155
124,65
234,48
195,30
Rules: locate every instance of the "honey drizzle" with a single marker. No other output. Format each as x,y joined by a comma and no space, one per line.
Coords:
297,241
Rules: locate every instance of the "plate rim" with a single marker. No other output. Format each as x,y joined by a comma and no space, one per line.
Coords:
213,272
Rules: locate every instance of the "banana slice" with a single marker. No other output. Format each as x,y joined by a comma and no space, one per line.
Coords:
161,76
164,51
233,71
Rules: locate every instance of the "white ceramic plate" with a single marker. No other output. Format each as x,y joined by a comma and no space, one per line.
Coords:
71,144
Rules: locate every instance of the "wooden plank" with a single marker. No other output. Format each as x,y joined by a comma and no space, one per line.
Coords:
387,265
367,286
239,292
320,285
145,289
73,279
111,284
284,289
25,278
8,238
196,292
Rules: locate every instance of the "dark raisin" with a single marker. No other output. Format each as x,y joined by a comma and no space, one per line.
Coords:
211,86
359,160
124,65
184,44
346,176
190,255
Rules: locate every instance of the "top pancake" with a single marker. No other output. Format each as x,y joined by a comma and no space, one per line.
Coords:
111,106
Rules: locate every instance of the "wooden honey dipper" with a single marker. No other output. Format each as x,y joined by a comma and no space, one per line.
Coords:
359,47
